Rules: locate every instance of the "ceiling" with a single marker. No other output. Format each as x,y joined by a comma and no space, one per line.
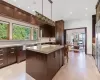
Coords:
62,9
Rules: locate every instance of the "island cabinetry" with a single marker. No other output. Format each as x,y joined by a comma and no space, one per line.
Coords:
3,57
42,66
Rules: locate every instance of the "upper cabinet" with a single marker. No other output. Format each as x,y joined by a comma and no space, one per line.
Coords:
98,11
19,14
5,10
48,31
47,8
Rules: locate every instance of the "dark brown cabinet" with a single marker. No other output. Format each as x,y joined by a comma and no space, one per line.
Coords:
43,66
20,15
48,31
5,10
59,31
21,54
3,57
12,55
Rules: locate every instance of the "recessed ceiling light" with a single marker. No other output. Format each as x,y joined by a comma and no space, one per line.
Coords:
33,10
85,14
14,0
86,8
71,12
28,7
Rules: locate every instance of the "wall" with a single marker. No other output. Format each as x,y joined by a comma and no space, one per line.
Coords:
82,23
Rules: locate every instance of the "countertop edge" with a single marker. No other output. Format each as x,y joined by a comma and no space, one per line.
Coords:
12,45
60,47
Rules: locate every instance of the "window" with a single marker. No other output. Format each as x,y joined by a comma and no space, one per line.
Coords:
21,32
35,34
4,33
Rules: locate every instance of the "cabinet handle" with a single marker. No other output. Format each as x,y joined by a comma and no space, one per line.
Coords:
1,64
1,59
12,48
1,54
12,52
55,55
0,49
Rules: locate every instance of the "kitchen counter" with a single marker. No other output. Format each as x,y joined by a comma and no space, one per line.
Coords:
44,61
22,44
45,49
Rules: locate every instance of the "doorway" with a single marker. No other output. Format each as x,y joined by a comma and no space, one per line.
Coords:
76,39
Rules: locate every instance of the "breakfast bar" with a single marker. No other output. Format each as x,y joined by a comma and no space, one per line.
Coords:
44,61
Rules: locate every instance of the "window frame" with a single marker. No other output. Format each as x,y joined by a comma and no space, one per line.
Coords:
8,30
37,30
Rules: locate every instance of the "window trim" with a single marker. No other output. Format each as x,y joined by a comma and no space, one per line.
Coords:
8,30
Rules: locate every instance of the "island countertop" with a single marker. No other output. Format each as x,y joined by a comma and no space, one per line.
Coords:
45,49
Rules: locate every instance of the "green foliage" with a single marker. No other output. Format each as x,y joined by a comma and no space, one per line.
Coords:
3,31
21,32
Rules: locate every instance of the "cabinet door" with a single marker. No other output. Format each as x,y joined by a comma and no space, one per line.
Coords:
3,57
53,62
11,55
5,10
61,58
21,54
20,15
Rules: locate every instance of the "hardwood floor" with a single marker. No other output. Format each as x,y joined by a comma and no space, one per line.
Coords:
79,67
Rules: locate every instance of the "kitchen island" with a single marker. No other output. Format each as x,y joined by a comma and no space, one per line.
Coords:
44,61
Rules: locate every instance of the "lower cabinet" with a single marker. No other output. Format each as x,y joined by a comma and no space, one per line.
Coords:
43,66
55,62
21,54
12,55
3,57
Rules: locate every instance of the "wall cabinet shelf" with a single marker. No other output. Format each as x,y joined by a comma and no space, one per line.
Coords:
47,31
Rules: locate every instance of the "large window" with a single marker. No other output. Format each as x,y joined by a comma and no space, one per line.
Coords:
21,32
4,27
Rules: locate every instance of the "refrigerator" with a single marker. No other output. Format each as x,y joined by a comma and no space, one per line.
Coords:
97,57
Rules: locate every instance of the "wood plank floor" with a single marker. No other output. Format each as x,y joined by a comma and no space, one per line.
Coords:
79,67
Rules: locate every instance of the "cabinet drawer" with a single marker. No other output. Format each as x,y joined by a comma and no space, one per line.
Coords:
1,60
1,65
12,50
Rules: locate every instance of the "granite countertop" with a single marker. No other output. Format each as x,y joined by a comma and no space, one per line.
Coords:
21,44
45,49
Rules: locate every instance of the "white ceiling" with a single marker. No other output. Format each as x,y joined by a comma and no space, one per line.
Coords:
62,9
